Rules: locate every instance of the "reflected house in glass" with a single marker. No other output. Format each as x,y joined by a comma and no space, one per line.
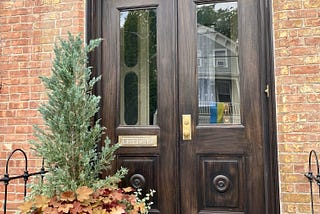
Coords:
218,76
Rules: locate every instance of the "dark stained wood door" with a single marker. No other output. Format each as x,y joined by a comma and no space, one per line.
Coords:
220,165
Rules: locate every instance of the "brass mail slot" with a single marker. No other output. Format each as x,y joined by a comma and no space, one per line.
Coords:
137,140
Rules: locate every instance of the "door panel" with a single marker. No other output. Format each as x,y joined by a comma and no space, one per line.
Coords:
126,112
227,157
221,168
221,182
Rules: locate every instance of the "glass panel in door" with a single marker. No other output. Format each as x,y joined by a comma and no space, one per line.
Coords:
138,64
217,63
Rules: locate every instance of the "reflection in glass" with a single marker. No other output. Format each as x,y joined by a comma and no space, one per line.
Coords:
131,98
138,67
217,63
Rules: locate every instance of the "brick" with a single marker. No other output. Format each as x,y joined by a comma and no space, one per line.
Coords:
20,27
311,4
293,137
290,208
5,28
288,118
293,148
294,98
290,42
26,113
65,23
20,42
296,198
312,22
44,25
29,18
307,209
288,5
23,129
311,69
19,89
290,61
18,105
313,98
295,23
301,51
287,188
14,19
302,13
312,60
293,178
17,121
282,52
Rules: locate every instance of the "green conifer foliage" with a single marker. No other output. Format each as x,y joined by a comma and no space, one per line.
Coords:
69,138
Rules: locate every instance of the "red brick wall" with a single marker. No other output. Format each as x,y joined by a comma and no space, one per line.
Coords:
297,69
28,30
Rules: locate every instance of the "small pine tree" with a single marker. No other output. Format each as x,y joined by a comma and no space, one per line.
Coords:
69,138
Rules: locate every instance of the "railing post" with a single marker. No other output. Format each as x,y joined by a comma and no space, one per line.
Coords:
311,177
6,182
6,179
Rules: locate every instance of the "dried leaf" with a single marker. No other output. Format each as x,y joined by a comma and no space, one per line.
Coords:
140,207
65,208
54,202
117,210
25,207
83,193
106,200
50,210
77,208
68,196
99,211
132,199
128,189
117,195
41,201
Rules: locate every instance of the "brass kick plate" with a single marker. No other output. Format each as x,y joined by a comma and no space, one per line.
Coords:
186,126
137,140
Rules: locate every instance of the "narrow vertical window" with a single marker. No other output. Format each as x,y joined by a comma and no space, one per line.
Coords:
218,73
138,67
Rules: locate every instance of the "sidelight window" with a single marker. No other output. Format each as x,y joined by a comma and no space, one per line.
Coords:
138,67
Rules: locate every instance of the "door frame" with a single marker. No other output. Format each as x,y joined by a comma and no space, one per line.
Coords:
93,29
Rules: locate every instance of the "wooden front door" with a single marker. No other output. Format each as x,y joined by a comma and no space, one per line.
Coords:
183,92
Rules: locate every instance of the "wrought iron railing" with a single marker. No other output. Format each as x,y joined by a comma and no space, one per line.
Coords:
312,177
7,178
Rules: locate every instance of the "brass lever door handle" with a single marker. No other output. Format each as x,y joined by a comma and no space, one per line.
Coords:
186,127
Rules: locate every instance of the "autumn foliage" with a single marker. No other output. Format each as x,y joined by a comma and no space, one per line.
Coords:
86,200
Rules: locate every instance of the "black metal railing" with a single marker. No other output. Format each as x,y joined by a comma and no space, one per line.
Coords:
311,177
7,178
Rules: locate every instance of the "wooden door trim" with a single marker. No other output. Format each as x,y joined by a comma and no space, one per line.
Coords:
98,14
269,104
94,30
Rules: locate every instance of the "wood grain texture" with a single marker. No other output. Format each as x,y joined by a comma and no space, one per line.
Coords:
181,170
